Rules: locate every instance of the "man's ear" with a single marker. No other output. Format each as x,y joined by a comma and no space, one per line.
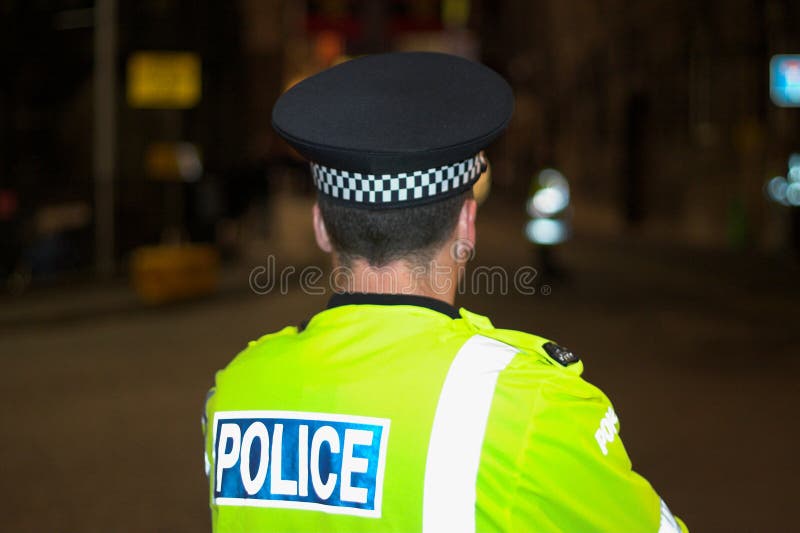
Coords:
320,231
465,230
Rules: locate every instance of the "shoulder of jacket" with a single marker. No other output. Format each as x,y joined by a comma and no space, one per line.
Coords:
254,347
288,330
540,348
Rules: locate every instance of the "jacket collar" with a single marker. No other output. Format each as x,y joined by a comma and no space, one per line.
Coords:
362,298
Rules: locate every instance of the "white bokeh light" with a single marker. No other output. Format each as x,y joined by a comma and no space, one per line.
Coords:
546,231
793,194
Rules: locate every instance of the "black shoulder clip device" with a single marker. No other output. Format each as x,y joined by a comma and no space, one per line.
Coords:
560,354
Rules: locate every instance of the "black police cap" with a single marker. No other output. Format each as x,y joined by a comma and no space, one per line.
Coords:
395,129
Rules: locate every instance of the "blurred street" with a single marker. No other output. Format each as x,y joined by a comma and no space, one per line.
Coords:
697,349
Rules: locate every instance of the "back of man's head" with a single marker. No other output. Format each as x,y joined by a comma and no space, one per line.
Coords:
395,145
382,236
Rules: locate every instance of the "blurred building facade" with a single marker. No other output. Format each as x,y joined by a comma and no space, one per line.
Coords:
657,112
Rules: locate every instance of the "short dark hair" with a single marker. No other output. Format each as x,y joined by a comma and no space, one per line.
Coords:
380,237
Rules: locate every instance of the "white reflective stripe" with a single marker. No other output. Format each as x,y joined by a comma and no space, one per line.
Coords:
454,451
668,522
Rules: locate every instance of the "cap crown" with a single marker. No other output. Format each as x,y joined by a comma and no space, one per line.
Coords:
393,113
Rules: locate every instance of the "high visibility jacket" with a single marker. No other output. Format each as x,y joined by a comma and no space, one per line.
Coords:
391,413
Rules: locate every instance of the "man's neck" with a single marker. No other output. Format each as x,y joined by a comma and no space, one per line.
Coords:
399,277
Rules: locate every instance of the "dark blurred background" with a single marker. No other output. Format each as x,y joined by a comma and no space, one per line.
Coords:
651,174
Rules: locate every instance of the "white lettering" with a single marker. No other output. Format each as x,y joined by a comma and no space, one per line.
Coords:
608,428
256,431
302,460
278,485
351,465
607,431
227,460
600,437
612,416
329,435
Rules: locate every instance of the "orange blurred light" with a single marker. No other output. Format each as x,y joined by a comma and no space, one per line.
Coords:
328,46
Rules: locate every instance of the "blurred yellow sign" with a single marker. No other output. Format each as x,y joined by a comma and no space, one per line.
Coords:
164,80
166,273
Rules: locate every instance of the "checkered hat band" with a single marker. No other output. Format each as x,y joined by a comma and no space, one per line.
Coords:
401,188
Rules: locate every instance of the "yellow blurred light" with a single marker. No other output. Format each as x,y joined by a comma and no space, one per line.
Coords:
166,273
455,12
163,80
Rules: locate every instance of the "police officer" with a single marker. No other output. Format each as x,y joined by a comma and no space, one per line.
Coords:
391,410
